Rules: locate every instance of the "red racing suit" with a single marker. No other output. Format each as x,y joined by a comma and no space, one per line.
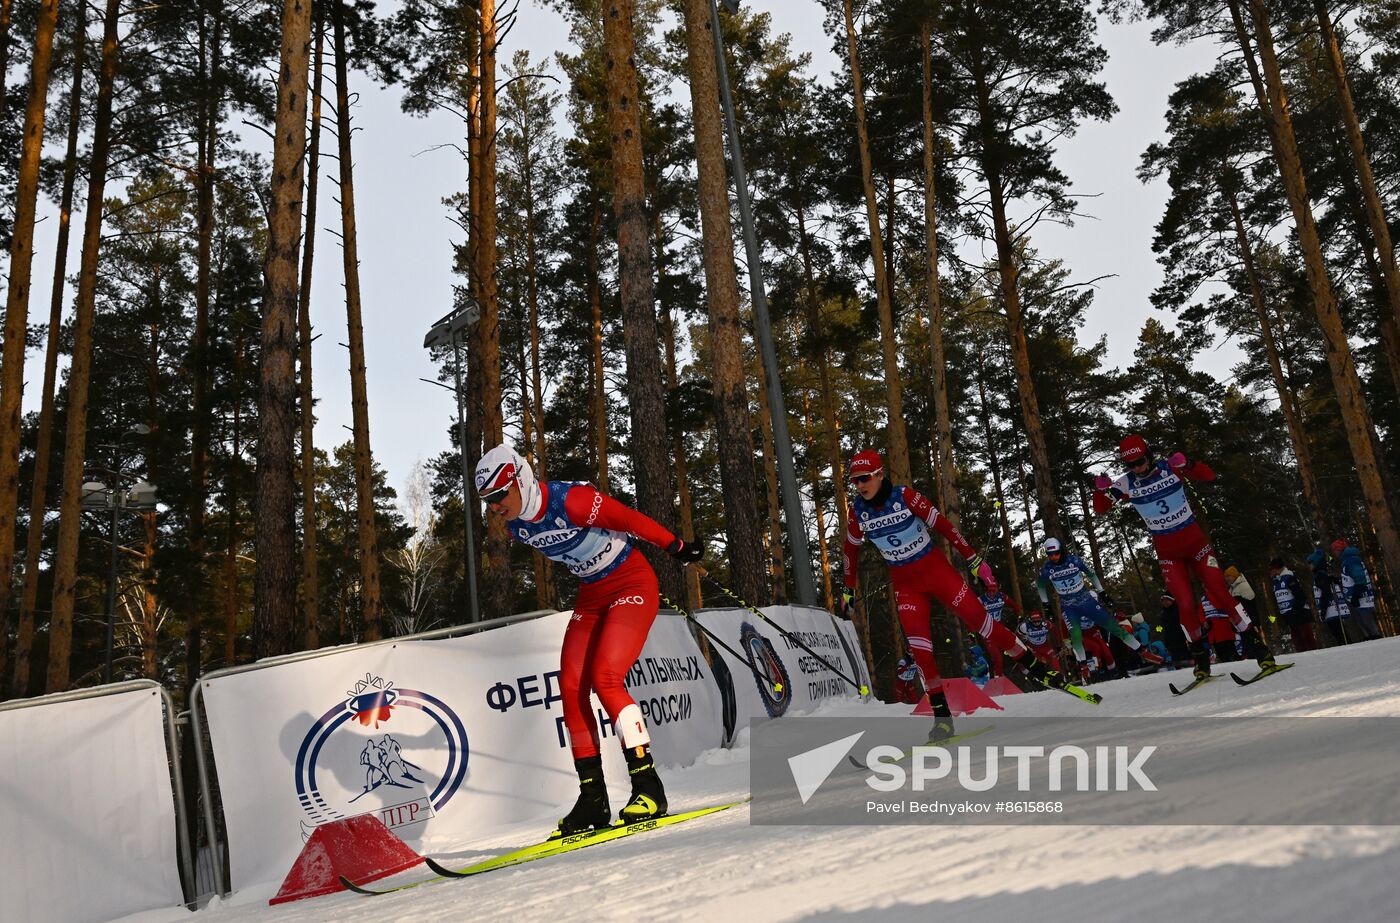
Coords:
898,525
1159,496
591,535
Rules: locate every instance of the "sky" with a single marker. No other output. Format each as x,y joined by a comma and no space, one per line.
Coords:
403,171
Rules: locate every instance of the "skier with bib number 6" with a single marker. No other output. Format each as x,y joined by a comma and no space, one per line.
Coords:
897,520
592,535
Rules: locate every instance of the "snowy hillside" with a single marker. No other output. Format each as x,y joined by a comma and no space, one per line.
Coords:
721,868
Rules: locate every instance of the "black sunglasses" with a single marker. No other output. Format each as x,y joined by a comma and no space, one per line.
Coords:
495,496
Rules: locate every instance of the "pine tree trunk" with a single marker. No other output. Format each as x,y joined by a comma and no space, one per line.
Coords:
275,580
24,637
733,428
994,463
774,537
80,370
1355,412
598,373
1297,434
231,545
544,579
1009,274
17,302
1375,212
897,455
310,579
6,9
209,110
495,575
371,601
827,589
650,444
812,303
668,330
944,472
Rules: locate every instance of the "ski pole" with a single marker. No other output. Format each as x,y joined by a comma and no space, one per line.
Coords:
777,687
861,688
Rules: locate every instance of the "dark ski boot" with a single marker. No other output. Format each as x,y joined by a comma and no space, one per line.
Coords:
591,811
648,796
1200,653
1040,673
1255,647
943,719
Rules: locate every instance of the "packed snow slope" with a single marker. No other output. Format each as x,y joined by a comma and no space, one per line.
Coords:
721,868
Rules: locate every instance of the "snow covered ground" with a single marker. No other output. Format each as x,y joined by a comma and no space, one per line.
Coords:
721,868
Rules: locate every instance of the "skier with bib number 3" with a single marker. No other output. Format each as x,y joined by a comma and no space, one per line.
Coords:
592,535
1157,490
897,520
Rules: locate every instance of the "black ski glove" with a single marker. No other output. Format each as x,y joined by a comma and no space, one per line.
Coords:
686,552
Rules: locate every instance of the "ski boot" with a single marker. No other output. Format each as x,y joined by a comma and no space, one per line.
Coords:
648,796
591,811
943,719
1040,673
1200,654
1255,648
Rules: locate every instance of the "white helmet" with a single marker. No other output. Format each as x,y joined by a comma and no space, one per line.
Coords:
1052,547
498,468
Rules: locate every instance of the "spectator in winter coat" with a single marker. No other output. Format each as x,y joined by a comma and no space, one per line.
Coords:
1172,634
1288,593
1330,601
1242,591
1358,589
906,680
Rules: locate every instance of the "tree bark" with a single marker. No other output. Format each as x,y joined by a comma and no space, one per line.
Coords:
371,599
830,423
310,579
80,371
231,545
17,301
1375,212
827,590
733,428
693,597
650,444
776,566
994,463
274,596
1355,412
897,455
1297,435
544,569
6,8
24,637
595,301
1009,275
944,473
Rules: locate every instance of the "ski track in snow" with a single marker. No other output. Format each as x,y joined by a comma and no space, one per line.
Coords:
721,868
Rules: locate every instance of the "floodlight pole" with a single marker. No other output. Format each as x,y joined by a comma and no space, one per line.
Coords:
787,474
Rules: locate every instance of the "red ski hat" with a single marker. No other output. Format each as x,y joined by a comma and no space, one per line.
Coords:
1339,546
867,462
1132,448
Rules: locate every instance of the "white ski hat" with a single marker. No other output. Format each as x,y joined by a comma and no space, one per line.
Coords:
502,465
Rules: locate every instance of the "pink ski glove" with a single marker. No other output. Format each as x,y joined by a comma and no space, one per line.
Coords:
1177,461
980,568
1103,482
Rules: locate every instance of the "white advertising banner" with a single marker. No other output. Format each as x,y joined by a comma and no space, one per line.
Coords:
805,680
439,739
87,813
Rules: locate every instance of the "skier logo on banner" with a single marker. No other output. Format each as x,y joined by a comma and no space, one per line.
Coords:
766,661
399,754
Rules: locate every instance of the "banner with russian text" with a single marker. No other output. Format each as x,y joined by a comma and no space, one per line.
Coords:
440,739
793,680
